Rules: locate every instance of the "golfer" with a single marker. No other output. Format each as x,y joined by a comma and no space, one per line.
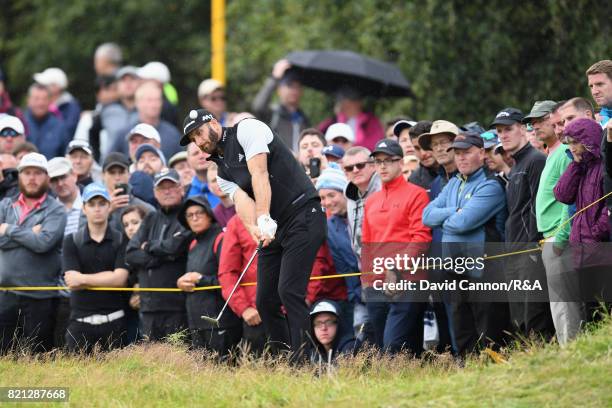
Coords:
278,205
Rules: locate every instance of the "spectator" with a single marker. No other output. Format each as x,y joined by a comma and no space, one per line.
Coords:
141,186
148,99
409,165
550,217
115,117
6,105
390,124
107,59
527,316
225,210
331,186
363,181
285,117
24,148
80,154
140,134
94,256
427,171
211,94
69,108
401,130
397,325
599,76
31,229
202,270
9,179
310,145
63,182
115,176
159,252
340,134
47,132
11,133
471,208
159,73
438,140
349,109
237,248
333,153
328,342
179,163
575,108
197,159
494,159
149,159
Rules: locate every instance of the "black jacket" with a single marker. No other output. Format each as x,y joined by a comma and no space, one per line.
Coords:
423,177
523,182
162,261
204,258
9,187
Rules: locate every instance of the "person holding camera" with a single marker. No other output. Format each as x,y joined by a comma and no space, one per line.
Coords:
280,208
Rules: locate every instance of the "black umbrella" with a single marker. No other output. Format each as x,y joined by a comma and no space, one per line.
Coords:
329,70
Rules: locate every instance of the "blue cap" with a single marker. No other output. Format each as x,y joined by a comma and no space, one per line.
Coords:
334,151
95,190
149,148
490,139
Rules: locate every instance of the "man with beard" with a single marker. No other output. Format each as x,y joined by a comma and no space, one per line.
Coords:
31,230
267,184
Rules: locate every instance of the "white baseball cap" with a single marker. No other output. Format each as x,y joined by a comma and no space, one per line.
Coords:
324,306
339,130
11,122
33,160
155,70
145,130
58,166
52,76
208,86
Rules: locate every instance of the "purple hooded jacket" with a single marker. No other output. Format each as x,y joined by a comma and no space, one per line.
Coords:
582,183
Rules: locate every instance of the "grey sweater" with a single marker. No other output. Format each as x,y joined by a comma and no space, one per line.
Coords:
27,258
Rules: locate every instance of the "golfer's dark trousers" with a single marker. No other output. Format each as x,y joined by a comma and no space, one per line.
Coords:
84,337
284,268
26,322
158,325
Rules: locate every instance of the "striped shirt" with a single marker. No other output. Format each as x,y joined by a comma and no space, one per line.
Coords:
73,216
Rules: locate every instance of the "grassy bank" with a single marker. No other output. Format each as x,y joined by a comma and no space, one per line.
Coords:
164,375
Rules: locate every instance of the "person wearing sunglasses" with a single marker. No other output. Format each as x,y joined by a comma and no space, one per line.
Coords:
12,133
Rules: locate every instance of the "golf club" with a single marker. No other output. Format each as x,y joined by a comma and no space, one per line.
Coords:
215,321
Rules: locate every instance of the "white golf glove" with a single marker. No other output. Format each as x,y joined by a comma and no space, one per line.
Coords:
267,226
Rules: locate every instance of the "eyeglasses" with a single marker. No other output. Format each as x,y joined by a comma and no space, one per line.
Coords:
349,168
325,323
9,133
195,214
386,162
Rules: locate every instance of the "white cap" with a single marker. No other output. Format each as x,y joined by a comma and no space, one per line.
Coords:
12,122
324,306
33,160
208,86
155,70
145,130
339,130
52,76
58,166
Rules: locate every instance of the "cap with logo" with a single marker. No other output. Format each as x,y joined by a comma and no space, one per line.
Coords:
324,306
79,145
388,146
58,166
149,148
195,119
208,86
499,149
127,70
33,160
115,159
93,190
467,140
177,158
438,127
333,151
507,117
145,130
539,110
167,174
401,125
339,130
489,138
11,122
52,76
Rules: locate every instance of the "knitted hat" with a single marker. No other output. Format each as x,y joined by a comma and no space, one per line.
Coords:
332,178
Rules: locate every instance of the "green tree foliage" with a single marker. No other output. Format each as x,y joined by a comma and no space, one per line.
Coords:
465,60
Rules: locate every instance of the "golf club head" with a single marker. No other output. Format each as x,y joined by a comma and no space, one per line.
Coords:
211,320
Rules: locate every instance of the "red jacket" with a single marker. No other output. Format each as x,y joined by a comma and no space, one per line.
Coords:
238,247
393,222
333,288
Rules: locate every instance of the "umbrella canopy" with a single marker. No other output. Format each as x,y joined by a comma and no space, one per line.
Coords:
329,70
